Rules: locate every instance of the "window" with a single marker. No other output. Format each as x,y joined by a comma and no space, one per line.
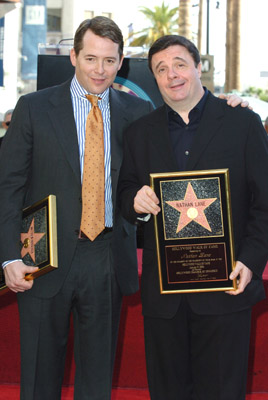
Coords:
53,19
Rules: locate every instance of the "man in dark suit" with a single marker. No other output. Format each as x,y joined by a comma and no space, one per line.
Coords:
42,154
197,343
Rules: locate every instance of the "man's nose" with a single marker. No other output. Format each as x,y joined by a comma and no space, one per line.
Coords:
172,73
99,67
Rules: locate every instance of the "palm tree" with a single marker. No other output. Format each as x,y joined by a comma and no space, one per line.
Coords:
232,71
184,21
163,22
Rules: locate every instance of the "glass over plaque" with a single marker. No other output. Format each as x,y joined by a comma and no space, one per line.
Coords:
38,238
193,230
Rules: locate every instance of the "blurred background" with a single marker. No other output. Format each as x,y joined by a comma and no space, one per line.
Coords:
231,36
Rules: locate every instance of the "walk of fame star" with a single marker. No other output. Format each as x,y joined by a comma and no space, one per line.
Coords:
191,209
29,240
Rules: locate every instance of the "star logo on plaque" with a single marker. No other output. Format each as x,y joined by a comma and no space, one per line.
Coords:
29,240
191,209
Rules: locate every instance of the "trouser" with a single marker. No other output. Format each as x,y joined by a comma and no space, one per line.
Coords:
90,292
197,357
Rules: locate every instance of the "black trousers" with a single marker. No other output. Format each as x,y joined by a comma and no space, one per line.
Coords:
92,295
197,357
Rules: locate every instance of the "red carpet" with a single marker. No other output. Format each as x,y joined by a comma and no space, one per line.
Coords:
11,392
130,369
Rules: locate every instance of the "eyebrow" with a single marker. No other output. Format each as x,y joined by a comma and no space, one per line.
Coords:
95,56
175,58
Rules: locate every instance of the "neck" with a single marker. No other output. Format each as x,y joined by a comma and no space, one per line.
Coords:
184,107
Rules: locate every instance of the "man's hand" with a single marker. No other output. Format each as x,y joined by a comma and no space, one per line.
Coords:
146,201
245,276
15,276
233,100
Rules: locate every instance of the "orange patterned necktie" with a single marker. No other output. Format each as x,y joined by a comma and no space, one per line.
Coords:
93,207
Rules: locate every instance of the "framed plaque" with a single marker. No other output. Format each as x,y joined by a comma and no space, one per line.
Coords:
193,230
38,238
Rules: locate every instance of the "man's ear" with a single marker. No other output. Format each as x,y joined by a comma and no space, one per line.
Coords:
121,62
199,69
73,57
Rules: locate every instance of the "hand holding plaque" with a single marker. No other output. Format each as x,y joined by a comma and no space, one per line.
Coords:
38,239
194,235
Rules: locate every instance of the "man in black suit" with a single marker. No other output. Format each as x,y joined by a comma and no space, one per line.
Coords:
42,154
197,343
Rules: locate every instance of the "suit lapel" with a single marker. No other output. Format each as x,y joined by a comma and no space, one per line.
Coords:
62,118
209,126
120,118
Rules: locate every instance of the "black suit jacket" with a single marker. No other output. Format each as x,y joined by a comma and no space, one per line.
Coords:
227,137
39,157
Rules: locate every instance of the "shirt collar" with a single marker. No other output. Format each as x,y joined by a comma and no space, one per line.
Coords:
78,91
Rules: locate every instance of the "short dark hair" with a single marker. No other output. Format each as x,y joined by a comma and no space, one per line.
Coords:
172,40
100,26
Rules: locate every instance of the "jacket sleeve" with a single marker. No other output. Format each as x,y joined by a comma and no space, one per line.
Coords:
15,167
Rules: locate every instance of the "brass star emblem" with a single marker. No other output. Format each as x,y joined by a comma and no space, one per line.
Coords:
191,209
29,240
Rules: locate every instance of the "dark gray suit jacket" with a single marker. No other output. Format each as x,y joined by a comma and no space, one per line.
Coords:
227,137
39,157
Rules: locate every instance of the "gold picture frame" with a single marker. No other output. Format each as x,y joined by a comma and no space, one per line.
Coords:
193,231
38,239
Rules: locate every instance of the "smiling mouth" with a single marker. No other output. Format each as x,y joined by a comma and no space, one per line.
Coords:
176,85
98,79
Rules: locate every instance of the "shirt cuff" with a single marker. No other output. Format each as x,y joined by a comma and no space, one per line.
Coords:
145,218
9,262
